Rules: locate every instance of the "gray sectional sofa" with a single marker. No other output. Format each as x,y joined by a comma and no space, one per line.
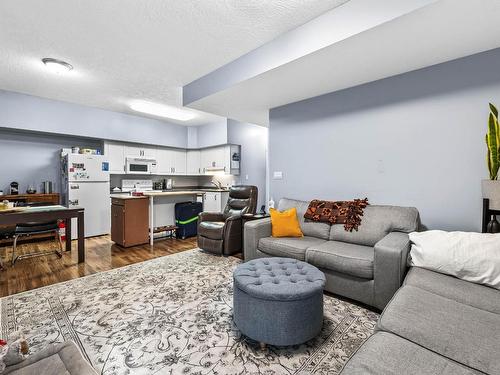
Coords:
60,359
435,324
367,265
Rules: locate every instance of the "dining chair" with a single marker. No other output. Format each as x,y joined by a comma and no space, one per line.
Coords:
33,228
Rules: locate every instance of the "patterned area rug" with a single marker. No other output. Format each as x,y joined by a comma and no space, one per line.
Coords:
172,315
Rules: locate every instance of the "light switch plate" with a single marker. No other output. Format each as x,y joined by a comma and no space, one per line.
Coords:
277,175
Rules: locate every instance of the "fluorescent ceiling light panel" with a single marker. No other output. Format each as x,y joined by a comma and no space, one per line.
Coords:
162,110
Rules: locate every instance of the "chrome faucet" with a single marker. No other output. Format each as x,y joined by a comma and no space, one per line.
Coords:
217,184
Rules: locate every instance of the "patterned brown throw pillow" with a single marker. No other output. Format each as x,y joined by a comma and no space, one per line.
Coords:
337,212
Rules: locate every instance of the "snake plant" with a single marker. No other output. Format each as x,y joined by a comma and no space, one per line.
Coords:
493,143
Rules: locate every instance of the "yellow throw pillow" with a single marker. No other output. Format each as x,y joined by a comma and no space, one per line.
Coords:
285,224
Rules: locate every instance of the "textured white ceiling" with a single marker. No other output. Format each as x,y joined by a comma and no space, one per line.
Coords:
135,49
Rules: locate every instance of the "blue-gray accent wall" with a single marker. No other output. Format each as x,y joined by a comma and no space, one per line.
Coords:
30,158
416,139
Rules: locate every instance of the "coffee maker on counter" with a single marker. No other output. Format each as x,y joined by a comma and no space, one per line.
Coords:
14,188
164,184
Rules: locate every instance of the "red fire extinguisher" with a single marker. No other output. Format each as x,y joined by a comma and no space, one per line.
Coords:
62,230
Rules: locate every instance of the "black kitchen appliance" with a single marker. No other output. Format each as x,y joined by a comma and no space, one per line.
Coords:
158,185
14,188
186,218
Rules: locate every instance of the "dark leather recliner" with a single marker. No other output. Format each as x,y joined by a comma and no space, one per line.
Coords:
220,232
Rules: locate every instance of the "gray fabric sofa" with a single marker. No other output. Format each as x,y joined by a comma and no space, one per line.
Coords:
435,324
367,265
63,359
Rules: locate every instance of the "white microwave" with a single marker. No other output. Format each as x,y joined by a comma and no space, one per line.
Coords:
140,165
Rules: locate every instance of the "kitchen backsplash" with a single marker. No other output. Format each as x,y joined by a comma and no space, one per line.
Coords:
179,181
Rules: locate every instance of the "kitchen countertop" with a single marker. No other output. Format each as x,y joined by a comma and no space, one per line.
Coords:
167,193
173,192
178,191
127,196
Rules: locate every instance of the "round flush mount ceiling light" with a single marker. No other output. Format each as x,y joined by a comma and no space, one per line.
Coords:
56,65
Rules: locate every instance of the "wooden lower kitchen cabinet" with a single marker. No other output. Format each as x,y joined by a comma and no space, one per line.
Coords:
130,221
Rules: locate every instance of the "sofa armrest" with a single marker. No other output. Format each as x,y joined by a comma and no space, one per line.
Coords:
210,216
255,230
389,266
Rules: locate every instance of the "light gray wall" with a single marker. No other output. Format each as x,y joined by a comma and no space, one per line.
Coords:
416,140
192,137
253,141
26,112
211,134
32,158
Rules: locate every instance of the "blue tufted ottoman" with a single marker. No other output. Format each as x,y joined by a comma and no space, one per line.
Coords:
278,301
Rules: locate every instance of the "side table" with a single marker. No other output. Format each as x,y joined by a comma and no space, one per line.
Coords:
487,214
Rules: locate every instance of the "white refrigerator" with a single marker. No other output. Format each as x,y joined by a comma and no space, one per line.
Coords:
86,184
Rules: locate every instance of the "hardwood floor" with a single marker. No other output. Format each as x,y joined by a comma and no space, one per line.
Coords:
101,255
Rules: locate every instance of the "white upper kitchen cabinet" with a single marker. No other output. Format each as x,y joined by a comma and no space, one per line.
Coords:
206,159
212,158
115,154
193,162
141,152
216,159
170,161
179,162
164,161
174,161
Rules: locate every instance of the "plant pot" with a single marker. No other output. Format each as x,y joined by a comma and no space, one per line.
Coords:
491,191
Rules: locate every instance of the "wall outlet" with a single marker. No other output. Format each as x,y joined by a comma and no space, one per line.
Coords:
277,175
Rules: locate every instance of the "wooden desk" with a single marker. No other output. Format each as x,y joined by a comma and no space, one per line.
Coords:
51,213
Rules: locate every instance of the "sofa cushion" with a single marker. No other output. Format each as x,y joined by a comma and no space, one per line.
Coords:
376,223
387,354
350,259
285,223
211,229
471,294
462,333
308,227
290,247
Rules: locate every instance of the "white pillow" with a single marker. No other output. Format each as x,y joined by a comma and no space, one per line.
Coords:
469,256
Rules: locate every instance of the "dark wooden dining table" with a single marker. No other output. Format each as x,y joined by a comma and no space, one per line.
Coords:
50,213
